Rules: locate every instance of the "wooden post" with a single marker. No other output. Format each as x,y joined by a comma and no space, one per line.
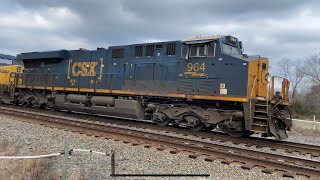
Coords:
314,122
113,170
65,159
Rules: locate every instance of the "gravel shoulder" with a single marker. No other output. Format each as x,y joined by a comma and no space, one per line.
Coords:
306,136
30,138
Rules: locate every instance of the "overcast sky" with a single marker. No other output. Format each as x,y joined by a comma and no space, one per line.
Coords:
274,28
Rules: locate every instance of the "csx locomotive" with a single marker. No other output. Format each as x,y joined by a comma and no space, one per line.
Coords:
200,83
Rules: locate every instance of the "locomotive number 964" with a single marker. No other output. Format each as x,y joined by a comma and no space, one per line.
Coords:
196,67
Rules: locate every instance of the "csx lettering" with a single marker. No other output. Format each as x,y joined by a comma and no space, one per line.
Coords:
84,68
196,67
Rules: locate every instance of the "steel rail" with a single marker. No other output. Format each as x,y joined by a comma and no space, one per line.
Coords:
273,161
214,136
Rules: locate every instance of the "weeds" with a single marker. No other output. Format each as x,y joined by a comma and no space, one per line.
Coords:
25,168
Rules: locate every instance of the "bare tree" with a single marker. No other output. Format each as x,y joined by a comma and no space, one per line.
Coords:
312,100
312,69
293,71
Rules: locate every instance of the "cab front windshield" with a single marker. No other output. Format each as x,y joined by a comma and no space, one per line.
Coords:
230,49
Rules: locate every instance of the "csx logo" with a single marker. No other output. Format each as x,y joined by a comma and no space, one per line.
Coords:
84,68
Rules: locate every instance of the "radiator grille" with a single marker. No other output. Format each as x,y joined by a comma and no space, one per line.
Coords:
185,86
206,86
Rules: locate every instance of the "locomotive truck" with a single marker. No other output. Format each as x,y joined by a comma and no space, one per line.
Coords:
200,83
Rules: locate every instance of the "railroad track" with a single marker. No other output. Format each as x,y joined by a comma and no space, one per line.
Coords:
290,166
273,145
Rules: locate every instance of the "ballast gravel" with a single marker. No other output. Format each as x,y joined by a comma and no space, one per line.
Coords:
295,135
32,138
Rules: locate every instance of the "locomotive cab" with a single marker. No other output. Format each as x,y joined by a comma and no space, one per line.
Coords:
218,63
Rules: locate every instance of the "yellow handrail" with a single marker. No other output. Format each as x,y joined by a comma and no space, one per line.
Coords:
267,99
284,88
272,89
253,86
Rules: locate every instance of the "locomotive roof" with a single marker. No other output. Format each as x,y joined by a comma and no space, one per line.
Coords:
198,38
61,54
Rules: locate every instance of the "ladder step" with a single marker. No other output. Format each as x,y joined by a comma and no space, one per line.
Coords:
259,111
259,129
261,108
259,124
265,105
259,117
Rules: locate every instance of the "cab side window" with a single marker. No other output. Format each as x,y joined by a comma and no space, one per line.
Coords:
200,50
193,51
264,66
211,49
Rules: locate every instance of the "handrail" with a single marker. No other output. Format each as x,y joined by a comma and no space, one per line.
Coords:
255,80
272,90
284,88
253,86
267,101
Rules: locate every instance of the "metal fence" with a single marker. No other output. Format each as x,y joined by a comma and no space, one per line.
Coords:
65,153
313,124
68,152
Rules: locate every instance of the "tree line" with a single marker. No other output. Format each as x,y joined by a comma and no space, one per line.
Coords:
304,77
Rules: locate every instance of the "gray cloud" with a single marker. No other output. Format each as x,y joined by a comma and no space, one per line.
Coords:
275,29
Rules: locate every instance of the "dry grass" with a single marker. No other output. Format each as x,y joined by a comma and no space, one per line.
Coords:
29,169
26,168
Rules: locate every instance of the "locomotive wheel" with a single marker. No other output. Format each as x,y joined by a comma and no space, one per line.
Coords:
236,134
194,123
16,103
208,128
39,106
163,123
248,134
233,128
26,104
198,127
160,119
